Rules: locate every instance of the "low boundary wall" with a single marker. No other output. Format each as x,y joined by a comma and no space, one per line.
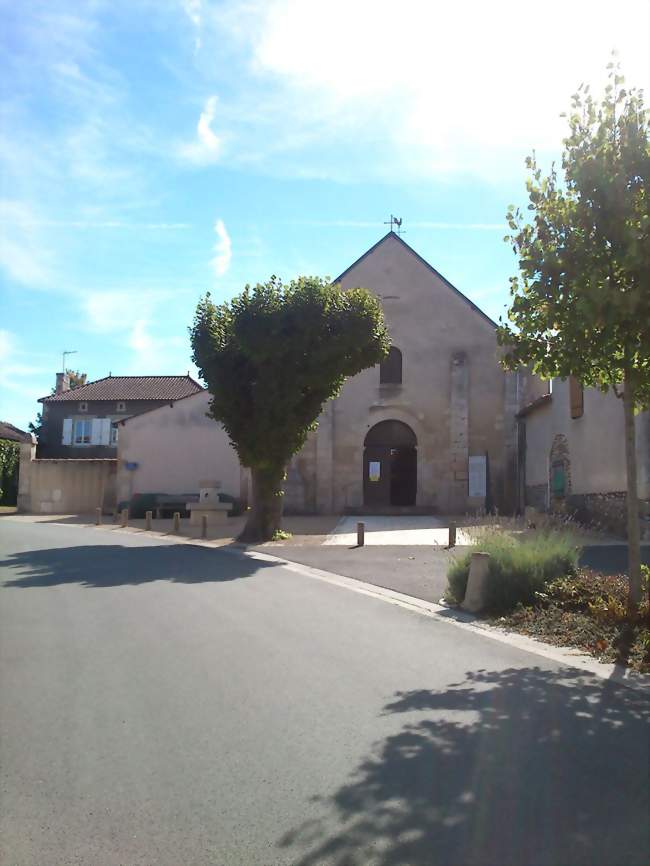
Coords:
64,486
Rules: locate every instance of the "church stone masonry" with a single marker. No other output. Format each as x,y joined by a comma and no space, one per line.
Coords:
411,444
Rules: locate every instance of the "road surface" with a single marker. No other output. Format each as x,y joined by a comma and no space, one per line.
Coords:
171,705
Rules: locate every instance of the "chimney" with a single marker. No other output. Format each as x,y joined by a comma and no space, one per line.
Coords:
62,383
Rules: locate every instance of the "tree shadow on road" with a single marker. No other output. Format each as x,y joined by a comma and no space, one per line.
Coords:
521,767
114,565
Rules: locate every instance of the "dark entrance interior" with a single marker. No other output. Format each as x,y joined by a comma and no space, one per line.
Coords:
390,464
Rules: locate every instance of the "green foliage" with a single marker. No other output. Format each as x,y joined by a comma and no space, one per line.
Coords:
581,304
276,353
36,427
9,462
517,569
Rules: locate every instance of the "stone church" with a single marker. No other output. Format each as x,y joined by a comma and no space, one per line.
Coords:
433,428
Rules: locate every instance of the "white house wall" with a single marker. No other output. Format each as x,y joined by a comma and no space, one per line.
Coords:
596,450
175,447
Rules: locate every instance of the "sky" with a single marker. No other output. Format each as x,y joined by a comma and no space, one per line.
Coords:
153,150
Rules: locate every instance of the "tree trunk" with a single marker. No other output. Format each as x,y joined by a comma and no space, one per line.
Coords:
633,538
265,516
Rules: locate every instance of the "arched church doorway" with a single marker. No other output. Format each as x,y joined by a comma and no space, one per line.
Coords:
390,465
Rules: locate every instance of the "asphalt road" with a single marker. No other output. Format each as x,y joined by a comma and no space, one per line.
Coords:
177,706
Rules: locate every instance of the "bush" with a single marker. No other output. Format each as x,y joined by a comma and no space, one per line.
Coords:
9,461
517,569
588,610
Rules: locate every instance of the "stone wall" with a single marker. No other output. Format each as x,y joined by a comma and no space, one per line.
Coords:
64,486
609,511
454,395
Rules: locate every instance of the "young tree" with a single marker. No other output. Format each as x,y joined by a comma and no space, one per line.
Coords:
271,358
581,305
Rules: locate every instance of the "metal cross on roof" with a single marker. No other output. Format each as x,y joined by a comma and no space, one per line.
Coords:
394,221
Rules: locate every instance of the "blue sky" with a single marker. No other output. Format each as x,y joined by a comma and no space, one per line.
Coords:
150,151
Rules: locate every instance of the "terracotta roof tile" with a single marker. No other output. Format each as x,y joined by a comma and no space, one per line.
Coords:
130,388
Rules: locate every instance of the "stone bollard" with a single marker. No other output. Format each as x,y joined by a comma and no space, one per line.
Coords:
147,520
177,521
474,600
452,535
98,517
361,534
204,526
125,517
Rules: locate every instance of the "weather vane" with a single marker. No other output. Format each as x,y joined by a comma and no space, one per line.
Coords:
394,221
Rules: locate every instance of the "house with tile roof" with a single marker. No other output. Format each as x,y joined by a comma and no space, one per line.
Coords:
80,422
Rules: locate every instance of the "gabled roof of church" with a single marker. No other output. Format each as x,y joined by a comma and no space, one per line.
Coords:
392,234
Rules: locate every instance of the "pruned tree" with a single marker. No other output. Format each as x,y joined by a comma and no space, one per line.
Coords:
271,358
581,303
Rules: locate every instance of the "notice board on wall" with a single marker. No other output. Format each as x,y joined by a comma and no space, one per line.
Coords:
477,475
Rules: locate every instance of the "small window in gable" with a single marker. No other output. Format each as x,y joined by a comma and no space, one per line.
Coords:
83,407
121,407
390,369
576,397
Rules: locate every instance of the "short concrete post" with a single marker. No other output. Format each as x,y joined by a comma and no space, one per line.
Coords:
361,534
204,526
452,535
147,520
476,583
98,516
177,521
125,517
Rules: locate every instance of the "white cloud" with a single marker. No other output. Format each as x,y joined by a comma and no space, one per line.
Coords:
6,346
23,255
222,250
208,145
429,89
193,10
15,374
108,311
152,354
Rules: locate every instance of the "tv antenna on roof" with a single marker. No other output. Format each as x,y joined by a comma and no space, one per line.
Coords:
395,221
64,355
